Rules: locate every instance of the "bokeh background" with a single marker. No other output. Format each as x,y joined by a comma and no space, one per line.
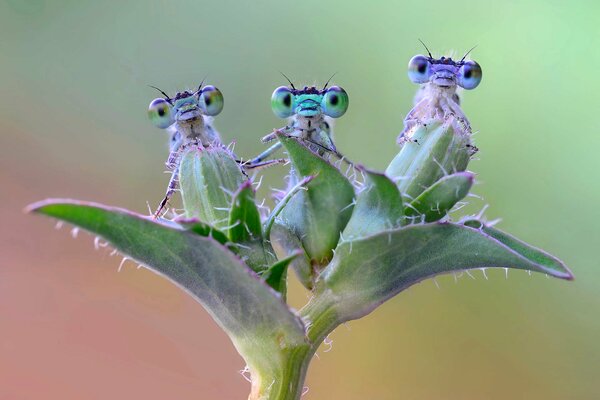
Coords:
73,99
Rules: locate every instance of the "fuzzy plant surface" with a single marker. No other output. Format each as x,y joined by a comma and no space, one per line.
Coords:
354,242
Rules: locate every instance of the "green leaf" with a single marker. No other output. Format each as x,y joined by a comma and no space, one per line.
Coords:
378,207
286,244
244,218
268,225
259,324
275,275
202,229
435,202
534,254
208,177
364,273
435,150
316,215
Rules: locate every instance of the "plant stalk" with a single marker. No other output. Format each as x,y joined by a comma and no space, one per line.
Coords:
286,380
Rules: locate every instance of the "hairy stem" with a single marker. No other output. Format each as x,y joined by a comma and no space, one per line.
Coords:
286,381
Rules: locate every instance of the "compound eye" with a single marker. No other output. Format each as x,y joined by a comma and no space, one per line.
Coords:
159,112
469,75
282,102
211,100
335,102
419,69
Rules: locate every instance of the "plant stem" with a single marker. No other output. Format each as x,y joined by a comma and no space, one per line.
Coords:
286,380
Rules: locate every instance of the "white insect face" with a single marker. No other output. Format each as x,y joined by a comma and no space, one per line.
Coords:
444,72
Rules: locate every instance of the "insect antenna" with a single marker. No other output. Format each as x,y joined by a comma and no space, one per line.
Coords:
201,83
288,79
167,98
424,45
329,80
467,53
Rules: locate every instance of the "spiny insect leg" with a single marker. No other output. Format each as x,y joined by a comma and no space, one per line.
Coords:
173,184
173,159
262,156
460,116
273,135
262,164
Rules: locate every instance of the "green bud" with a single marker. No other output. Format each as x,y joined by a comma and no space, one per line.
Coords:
432,151
208,177
435,202
313,218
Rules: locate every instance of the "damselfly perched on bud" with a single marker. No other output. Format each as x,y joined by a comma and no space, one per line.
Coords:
437,97
188,117
309,111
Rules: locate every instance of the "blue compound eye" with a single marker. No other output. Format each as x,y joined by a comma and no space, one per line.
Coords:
419,69
282,101
211,100
159,112
469,75
335,102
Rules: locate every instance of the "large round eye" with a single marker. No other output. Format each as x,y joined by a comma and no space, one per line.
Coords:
211,100
335,102
469,75
419,69
282,101
159,112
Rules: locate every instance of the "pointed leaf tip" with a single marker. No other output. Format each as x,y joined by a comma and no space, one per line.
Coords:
244,217
366,272
378,207
437,200
554,266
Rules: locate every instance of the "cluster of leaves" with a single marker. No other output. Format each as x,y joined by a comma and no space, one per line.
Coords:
354,245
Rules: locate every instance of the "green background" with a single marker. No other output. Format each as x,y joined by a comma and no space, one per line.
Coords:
74,94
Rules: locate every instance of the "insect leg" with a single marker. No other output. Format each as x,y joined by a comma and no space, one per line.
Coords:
173,184
262,164
172,160
273,135
262,156
460,115
419,113
326,150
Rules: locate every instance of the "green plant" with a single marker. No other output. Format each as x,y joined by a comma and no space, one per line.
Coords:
353,248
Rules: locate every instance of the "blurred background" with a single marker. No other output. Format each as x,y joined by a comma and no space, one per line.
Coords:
74,95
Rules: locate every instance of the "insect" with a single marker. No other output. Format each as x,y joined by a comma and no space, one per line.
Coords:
437,97
308,110
188,117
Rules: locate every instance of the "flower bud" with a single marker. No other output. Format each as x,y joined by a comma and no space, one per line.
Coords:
430,152
208,178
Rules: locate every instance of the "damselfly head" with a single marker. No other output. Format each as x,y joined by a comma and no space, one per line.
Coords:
309,101
186,106
444,72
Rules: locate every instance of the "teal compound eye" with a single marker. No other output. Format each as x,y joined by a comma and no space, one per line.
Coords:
211,100
335,102
159,112
282,102
419,69
469,75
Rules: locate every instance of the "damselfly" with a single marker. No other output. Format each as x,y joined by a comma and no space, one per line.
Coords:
309,111
437,97
188,117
